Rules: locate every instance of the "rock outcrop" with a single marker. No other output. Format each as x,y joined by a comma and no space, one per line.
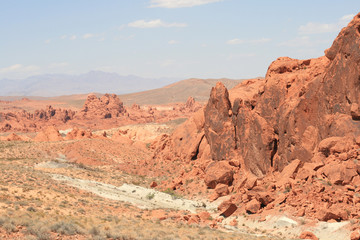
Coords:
284,118
219,130
108,106
77,133
298,125
24,121
105,112
49,134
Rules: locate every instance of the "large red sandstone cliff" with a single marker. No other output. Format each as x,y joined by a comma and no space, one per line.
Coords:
298,126
269,123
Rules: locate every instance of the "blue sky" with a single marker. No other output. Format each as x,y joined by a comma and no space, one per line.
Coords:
164,38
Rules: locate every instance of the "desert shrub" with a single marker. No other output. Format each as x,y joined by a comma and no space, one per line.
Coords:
30,237
39,230
9,227
95,231
31,209
150,196
117,235
24,221
172,193
66,228
99,237
2,221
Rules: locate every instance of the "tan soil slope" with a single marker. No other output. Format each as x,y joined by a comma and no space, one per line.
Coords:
174,93
177,92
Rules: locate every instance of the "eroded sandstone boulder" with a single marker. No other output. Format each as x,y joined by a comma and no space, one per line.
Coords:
218,172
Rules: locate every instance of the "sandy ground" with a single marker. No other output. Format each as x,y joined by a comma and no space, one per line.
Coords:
146,198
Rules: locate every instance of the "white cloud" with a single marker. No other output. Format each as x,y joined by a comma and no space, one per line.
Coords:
172,42
88,35
18,70
306,42
179,3
237,41
10,68
168,62
261,40
316,28
299,41
154,24
72,37
347,18
47,41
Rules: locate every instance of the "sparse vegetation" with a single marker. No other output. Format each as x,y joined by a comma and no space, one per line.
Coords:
66,228
172,193
40,208
150,195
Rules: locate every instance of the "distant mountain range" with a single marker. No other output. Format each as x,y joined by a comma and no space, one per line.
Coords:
51,85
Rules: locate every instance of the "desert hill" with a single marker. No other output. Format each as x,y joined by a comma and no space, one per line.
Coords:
174,93
178,92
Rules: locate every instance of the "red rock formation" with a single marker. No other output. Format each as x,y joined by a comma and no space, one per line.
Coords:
77,133
300,103
108,106
184,143
355,235
24,121
219,130
308,235
297,131
14,137
49,134
190,103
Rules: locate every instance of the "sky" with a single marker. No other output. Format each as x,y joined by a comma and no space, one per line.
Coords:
164,38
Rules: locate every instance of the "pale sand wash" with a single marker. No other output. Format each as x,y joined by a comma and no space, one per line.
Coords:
143,198
282,225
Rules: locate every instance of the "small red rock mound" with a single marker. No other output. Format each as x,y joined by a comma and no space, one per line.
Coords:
308,235
355,235
49,134
77,133
121,138
108,106
14,137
